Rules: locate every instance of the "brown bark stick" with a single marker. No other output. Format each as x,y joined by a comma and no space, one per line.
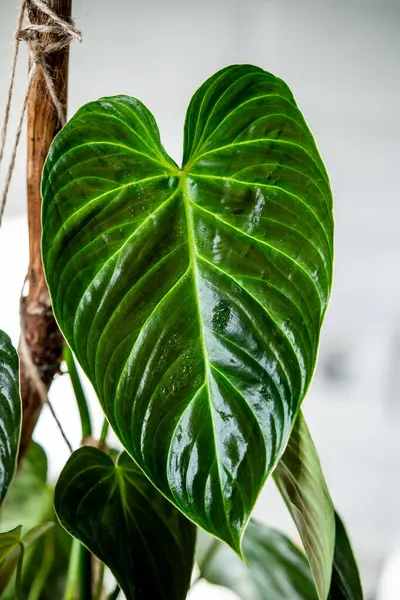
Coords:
42,335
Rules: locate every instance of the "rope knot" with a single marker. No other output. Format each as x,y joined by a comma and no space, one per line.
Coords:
56,33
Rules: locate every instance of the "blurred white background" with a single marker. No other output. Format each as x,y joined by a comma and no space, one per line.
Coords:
341,60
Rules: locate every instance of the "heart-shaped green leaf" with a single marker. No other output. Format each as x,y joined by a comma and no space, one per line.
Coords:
301,482
275,568
115,511
10,412
193,297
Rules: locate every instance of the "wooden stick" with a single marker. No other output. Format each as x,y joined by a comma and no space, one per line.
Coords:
42,335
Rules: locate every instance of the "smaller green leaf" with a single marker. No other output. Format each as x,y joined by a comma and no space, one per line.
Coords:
10,549
346,583
10,412
275,567
119,516
29,500
301,482
8,541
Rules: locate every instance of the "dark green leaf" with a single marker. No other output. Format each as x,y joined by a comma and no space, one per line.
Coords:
115,511
10,412
302,484
10,549
275,569
193,298
346,584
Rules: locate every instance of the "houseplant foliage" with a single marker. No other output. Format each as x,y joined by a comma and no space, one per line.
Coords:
193,299
116,512
10,413
288,576
13,540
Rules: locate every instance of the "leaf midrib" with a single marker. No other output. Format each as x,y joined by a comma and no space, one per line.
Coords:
183,185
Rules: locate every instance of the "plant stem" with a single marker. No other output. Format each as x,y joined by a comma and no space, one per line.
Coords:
44,569
73,571
79,577
18,576
85,574
81,401
104,432
99,587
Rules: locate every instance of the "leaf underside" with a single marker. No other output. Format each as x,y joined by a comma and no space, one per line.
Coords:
301,482
193,298
274,569
116,512
346,583
10,412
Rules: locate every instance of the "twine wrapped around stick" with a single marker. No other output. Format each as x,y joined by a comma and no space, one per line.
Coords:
63,33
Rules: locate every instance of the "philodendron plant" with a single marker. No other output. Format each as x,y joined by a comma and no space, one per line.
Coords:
193,297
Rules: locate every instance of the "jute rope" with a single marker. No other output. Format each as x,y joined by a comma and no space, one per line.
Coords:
64,33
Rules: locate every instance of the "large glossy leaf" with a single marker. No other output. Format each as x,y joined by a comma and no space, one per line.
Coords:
116,512
274,569
193,297
10,412
302,484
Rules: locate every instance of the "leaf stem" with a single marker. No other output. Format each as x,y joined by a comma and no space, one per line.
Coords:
81,400
45,567
18,576
99,587
104,431
73,571
79,577
85,574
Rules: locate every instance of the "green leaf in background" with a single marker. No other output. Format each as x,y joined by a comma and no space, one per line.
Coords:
346,583
275,569
115,511
301,482
10,549
10,412
30,502
193,298
46,566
